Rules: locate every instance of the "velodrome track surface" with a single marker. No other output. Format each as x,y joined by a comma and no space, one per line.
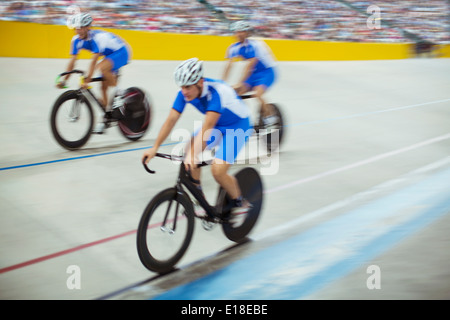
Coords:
362,183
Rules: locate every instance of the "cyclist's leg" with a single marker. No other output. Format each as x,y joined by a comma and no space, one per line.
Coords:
262,82
110,78
242,88
259,92
219,171
195,172
109,68
212,140
234,139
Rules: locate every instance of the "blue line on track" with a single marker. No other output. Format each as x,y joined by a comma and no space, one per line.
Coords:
79,157
303,264
287,125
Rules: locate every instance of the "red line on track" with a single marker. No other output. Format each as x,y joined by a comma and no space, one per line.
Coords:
61,253
77,248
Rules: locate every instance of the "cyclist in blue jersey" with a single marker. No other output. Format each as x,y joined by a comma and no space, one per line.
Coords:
259,74
226,126
115,51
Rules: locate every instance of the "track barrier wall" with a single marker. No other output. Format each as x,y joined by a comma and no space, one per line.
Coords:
33,40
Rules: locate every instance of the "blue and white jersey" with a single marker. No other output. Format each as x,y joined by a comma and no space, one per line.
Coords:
217,96
98,41
251,48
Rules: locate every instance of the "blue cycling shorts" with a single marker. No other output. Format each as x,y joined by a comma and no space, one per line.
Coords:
119,58
229,140
265,77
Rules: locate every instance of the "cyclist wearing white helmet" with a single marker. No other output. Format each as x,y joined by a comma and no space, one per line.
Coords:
226,126
259,74
116,54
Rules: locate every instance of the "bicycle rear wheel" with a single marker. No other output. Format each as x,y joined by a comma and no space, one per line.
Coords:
252,189
137,114
72,120
165,231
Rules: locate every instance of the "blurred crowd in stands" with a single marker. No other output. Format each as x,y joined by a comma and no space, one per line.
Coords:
323,20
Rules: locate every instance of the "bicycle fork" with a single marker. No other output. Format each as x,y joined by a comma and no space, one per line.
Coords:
165,226
74,111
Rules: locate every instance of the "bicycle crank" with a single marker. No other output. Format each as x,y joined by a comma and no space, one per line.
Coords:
208,225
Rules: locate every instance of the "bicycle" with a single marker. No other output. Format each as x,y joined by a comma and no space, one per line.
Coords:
274,133
72,116
165,230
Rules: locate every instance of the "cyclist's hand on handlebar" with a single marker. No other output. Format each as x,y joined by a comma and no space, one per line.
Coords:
238,86
85,83
61,84
190,162
148,155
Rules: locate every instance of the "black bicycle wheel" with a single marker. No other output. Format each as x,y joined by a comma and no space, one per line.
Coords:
72,120
137,114
252,190
165,231
273,135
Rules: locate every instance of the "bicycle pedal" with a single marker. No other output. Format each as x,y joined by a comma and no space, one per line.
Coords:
111,123
208,225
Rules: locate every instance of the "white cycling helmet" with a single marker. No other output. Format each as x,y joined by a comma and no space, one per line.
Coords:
241,26
189,72
81,20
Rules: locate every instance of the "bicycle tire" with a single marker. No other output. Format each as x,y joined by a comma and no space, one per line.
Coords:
146,225
56,126
251,187
271,141
135,123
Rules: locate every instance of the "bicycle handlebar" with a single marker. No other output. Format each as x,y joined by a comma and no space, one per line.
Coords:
70,72
172,157
80,72
247,96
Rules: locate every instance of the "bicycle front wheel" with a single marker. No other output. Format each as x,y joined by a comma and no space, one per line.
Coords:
165,231
72,120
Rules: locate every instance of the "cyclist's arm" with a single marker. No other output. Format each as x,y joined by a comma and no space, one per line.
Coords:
73,56
71,65
167,127
199,142
162,135
249,69
227,69
62,82
92,66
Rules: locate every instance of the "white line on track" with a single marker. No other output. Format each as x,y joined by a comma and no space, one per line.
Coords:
348,201
360,163
364,114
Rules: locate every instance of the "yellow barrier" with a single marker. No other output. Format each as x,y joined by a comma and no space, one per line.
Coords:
23,39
